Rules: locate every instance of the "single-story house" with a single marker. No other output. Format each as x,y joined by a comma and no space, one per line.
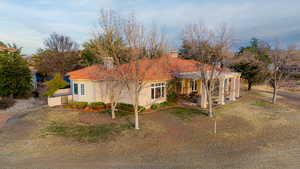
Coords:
91,85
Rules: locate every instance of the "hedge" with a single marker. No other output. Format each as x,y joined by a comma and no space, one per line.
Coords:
98,105
129,107
102,106
159,105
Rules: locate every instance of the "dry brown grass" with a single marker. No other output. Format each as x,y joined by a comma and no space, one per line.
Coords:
249,125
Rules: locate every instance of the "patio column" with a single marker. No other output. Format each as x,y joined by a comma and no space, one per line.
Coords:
203,97
233,89
227,85
221,91
238,86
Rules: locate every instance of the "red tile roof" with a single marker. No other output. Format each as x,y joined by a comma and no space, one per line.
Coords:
2,48
144,69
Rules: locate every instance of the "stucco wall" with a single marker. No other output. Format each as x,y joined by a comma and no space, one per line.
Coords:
145,97
89,92
98,92
54,101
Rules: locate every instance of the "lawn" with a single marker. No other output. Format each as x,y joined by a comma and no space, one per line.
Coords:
185,113
86,133
252,133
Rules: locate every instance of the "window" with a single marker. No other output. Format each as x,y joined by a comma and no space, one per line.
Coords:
158,90
75,88
194,85
82,89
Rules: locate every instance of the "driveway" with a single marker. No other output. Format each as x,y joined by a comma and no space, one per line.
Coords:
291,98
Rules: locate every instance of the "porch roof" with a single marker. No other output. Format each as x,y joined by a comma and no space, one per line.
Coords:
198,75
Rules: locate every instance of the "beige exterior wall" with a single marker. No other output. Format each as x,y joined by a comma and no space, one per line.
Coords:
89,93
98,92
145,97
54,101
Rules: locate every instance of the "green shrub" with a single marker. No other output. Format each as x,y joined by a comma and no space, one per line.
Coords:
98,106
163,104
172,97
56,83
119,113
155,106
6,103
171,91
80,105
97,103
129,107
159,105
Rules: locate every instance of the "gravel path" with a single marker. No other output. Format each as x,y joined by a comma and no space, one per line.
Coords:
21,107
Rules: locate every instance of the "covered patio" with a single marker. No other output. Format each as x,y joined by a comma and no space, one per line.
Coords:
227,87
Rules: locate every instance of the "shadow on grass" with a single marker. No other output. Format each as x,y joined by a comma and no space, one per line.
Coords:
186,113
263,104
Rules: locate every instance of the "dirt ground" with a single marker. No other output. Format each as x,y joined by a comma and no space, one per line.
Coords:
251,133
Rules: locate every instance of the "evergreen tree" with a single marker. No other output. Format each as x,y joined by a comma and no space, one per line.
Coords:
15,75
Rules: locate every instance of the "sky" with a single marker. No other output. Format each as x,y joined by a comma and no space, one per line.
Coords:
28,22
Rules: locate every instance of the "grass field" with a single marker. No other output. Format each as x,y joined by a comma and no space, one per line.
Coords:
251,133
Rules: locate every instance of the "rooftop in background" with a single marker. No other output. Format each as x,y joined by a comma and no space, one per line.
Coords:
3,48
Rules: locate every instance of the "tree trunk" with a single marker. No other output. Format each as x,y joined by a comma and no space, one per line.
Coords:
274,99
136,112
113,109
210,108
215,127
137,127
249,86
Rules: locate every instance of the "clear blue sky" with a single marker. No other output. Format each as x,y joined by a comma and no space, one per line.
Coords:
29,22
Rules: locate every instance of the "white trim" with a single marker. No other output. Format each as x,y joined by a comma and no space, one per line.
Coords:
155,86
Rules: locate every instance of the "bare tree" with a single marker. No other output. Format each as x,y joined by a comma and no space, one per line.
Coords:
142,47
208,46
61,55
125,41
60,43
110,47
280,60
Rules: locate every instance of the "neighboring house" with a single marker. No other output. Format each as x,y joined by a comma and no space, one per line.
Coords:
3,48
90,84
292,68
34,77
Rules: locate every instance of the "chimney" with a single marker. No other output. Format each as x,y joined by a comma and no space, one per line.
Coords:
108,62
174,54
